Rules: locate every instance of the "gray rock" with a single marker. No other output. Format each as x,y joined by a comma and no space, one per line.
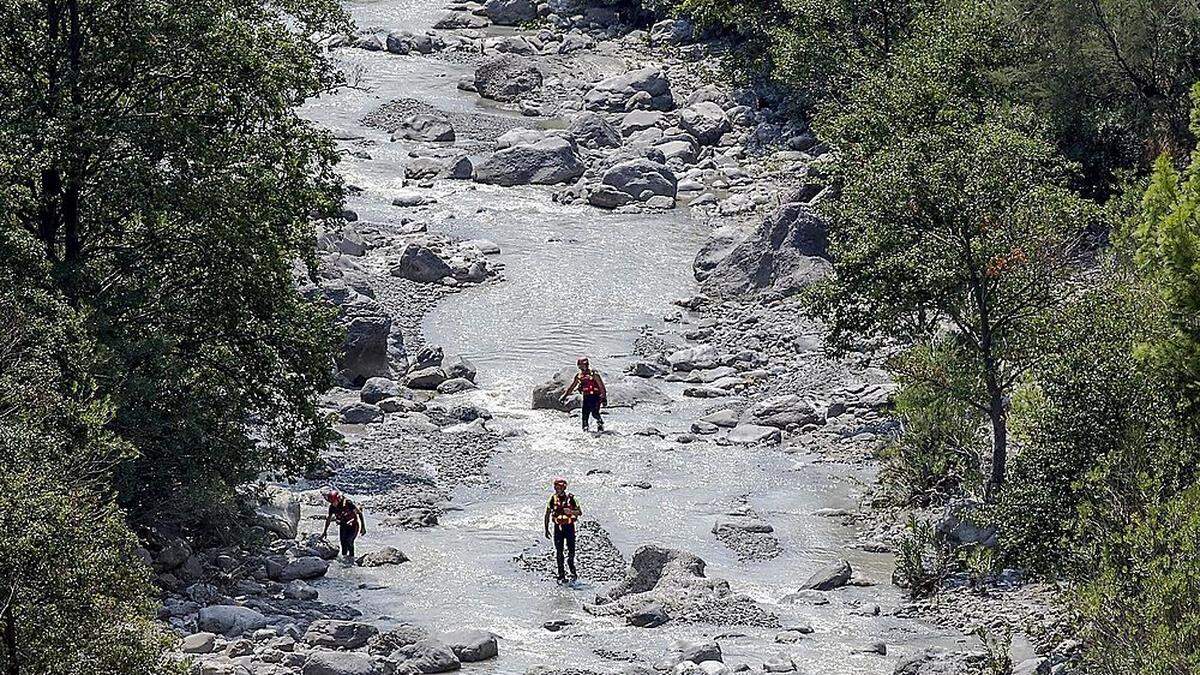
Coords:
409,199
633,181
780,663
338,663
424,127
939,661
697,652
426,656
306,567
591,130
456,385
721,418
704,120
420,264
427,378
388,555
833,576
339,634
784,253
357,412
510,12
648,616
376,389
507,78
459,366
199,643
278,511
452,20
672,32
644,88
955,527
754,433
693,358
784,411
549,161
456,166
229,620
471,645
296,589
364,352
640,120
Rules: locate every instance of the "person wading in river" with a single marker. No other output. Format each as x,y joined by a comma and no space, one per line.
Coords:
349,517
588,382
564,511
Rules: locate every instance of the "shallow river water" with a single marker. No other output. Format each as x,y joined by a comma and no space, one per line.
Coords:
578,280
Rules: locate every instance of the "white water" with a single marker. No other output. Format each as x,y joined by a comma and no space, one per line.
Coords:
578,281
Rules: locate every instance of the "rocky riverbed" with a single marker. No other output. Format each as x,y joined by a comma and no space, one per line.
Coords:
530,183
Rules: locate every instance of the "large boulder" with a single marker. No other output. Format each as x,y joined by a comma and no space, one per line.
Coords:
752,434
364,351
338,663
672,32
339,634
305,567
278,511
549,161
424,127
357,412
705,120
510,12
229,620
450,164
458,19
376,389
471,645
644,88
785,253
591,130
694,358
388,555
427,378
426,656
507,78
784,411
420,264
832,576
635,180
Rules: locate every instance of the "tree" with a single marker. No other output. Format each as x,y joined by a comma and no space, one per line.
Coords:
154,151
952,224
74,596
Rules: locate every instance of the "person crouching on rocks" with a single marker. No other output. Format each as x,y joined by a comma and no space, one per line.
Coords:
588,382
564,511
349,517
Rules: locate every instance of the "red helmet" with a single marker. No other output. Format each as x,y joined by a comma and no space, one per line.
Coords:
560,481
332,496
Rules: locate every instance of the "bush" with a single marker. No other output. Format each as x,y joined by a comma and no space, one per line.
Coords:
936,455
921,565
1142,611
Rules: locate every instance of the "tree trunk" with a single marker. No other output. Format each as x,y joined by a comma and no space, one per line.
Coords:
999,417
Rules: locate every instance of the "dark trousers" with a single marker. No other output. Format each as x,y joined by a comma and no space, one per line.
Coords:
591,407
564,535
347,533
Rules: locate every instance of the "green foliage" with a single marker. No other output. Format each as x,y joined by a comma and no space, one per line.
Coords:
937,453
74,597
172,186
996,647
921,565
1142,611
